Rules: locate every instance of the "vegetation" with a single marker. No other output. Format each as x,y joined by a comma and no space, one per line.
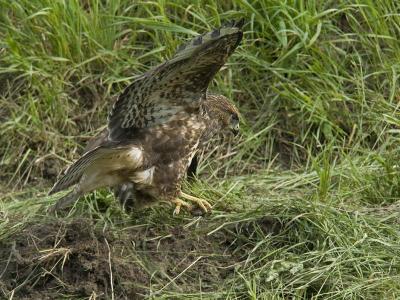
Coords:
306,199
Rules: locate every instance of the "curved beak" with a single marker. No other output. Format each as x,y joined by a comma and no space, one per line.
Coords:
235,126
235,131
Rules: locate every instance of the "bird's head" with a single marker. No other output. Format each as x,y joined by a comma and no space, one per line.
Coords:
225,111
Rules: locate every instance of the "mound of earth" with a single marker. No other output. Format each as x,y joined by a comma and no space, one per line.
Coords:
67,260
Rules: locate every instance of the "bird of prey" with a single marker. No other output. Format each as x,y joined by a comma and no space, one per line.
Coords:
156,127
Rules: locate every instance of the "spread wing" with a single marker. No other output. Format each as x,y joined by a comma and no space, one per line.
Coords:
175,88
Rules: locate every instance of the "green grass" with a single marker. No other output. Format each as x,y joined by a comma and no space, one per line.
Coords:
317,86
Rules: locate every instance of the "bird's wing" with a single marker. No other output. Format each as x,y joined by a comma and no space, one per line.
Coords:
176,87
106,149
98,140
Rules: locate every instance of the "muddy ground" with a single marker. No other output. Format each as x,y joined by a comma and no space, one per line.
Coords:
59,259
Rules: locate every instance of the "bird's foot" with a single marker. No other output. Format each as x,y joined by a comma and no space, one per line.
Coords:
200,202
179,203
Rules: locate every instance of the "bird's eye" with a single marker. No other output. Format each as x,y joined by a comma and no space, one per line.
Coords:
234,117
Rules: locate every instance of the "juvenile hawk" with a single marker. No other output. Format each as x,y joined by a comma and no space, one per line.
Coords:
157,125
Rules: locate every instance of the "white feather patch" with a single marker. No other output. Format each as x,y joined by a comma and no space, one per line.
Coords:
143,177
136,156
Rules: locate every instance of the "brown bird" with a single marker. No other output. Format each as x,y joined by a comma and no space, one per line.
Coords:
156,127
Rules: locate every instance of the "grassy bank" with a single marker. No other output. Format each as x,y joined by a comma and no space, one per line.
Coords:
305,198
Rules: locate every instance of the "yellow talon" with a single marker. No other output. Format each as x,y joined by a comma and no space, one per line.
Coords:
179,203
200,202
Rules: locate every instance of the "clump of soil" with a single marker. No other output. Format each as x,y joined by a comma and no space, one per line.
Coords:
55,260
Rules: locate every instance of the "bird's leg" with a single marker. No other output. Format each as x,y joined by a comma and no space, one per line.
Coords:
200,202
179,203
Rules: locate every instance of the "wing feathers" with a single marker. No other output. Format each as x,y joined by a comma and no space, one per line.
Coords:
74,172
240,23
203,41
176,86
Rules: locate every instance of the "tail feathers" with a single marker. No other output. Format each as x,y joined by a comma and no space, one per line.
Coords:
73,174
67,199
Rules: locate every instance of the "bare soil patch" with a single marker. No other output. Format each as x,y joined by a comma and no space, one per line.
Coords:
58,259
